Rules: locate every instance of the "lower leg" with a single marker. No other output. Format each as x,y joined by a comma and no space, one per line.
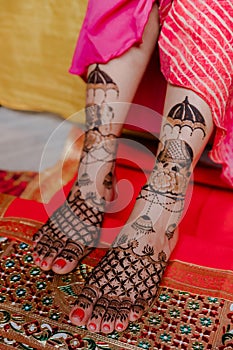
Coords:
125,282
74,227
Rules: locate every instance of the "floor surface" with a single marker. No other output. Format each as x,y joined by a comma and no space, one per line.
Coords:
30,140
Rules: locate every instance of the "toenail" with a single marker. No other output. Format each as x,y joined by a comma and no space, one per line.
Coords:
92,326
44,264
119,326
34,254
106,327
78,314
37,260
135,316
60,263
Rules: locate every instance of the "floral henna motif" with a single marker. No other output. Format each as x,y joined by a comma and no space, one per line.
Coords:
112,311
100,308
170,231
88,296
167,185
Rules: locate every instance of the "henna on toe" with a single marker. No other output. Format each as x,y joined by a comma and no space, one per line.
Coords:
137,309
99,309
109,318
77,223
127,284
67,259
68,235
83,308
122,319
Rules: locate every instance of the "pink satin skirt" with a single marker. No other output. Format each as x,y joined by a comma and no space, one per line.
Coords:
195,48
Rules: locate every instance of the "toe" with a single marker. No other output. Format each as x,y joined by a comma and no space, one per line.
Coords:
68,258
137,309
109,318
122,319
94,322
81,312
37,236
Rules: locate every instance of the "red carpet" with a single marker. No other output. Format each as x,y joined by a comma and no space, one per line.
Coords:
194,307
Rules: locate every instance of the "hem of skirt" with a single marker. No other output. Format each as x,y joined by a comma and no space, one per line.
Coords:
82,72
136,41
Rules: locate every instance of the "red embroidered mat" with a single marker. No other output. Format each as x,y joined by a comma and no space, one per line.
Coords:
194,307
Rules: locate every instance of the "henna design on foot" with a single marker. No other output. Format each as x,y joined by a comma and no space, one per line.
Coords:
127,284
131,270
74,228
167,185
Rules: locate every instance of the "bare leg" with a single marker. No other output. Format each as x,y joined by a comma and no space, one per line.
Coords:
74,228
125,282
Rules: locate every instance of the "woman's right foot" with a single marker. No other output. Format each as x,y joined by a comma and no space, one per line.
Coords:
74,228
69,234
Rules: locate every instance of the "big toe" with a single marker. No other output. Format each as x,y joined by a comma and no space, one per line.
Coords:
82,311
67,260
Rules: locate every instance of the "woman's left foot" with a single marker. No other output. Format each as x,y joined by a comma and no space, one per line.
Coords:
125,282
121,287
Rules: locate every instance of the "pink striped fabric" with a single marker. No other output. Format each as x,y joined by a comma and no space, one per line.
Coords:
196,52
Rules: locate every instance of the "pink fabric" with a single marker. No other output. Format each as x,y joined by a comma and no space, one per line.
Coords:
109,29
195,47
196,52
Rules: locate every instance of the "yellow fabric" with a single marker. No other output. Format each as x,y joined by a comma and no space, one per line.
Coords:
37,40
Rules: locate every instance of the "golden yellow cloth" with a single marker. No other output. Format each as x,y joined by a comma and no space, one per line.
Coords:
37,40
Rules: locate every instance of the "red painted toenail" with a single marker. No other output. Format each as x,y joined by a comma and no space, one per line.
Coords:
60,263
44,264
78,313
135,316
119,326
37,260
92,326
106,327
34,254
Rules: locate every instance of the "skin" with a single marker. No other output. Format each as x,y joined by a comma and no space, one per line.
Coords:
74,228
125,282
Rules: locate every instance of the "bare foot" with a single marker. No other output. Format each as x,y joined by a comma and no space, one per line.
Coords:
125,282
74,229
69,234
119,289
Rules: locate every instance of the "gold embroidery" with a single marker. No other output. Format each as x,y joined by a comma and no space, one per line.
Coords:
198,279
21,229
